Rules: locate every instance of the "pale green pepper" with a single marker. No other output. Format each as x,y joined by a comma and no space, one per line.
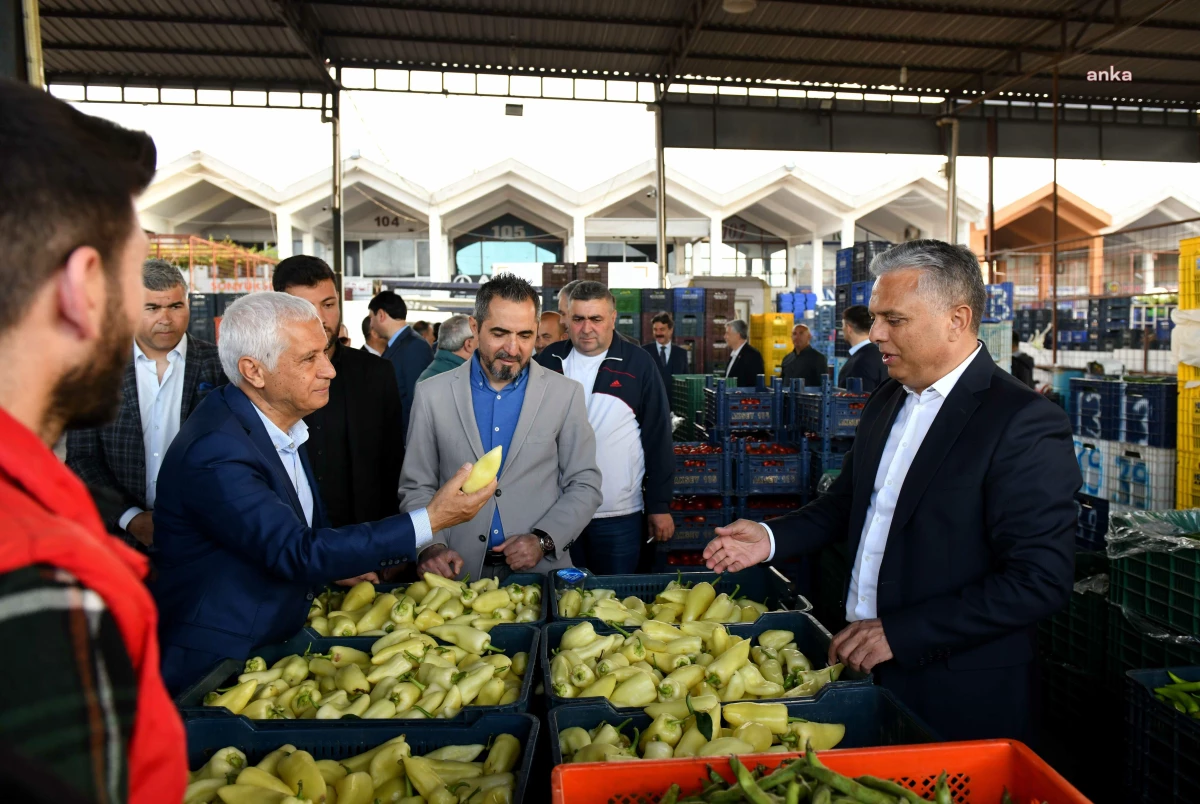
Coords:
756,684
658,750
776,639
503,756
638,690
665,729
724,746
726,665
380,709
570,604
773,716
572,739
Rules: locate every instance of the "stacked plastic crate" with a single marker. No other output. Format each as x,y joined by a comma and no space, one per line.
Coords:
687,402
688,304
771,334
718,311
629,312
1188,420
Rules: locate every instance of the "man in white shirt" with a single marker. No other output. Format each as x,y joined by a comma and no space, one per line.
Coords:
960,516
169,374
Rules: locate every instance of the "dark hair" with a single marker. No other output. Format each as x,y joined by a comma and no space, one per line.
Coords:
950,274
391,303
421,327
68,181
301,271
366,328
663,318
859,318
160,275
1016,338
591,291
509,287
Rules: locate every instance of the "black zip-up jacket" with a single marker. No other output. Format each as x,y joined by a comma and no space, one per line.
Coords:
628,373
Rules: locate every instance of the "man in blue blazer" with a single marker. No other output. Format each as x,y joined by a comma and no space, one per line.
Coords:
669,358
242,534
409,352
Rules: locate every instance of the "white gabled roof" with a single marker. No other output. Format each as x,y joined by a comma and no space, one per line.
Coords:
1171,204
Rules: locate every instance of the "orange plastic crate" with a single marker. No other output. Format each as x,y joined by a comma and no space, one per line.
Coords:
978,773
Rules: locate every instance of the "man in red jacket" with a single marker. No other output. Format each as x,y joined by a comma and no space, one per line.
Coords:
86,716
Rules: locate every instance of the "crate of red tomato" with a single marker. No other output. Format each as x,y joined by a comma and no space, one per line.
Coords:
729,408
762,508
826,412
696,520
769,467
701,468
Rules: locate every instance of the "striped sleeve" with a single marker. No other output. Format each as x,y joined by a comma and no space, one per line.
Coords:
68,690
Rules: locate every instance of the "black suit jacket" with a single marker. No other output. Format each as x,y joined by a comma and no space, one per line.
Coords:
981,547
676,362
746,367
409,355
113,457
809,365
867,365
359,476
1022,368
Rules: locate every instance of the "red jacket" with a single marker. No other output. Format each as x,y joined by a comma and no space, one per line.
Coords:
48,517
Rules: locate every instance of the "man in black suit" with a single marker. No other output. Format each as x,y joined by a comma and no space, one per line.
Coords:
956,501
669,359
408,351
354,444
803,362
164,382
865,361
1022,364
745,362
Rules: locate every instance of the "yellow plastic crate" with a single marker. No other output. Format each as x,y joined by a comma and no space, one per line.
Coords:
1188,410
768,326
1187,479
1189,274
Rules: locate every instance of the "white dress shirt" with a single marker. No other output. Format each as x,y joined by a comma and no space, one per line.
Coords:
904,441
287,446
664,351
161,407
732,357
859,345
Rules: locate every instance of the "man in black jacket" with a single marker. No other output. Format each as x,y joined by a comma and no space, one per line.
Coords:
408,352
865,361
803,362
354,442
1022,364
669,358
745,362
628,410
956,501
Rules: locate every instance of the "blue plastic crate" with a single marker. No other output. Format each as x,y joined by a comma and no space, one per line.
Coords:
511,639
701,473
1148,413
689,300
1163,744
768,473
811,638
1092,522
206,737
696,528
732,408
826,412
845,266
860,293
761,583
1096,406
872,717
762,508
999,302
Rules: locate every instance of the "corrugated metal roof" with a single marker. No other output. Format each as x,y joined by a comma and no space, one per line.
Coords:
961,46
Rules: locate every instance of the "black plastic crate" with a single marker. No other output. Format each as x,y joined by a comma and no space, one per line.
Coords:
768,468
696,521
864,254
1096,407
689,325
206,737
689,300
1163,587
1078,634
1091,524
732,408
841,300
701,472
1148,413
841,347
1164,744
872,717
658,300
1134,644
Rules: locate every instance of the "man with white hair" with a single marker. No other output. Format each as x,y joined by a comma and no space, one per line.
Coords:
455,345
242,533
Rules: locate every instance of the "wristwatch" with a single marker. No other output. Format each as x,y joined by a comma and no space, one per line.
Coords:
548,548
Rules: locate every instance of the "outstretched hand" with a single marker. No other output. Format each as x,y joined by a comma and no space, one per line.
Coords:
738,546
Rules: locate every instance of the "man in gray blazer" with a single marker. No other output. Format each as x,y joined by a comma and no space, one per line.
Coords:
549,485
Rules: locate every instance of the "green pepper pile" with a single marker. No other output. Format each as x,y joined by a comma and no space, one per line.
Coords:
1183,695
407,674
387,773
431,602
692,728
679,602
806,779
660,662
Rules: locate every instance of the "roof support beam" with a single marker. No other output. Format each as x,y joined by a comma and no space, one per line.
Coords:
302,22
159,19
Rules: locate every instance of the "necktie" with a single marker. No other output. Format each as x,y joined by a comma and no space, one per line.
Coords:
662,351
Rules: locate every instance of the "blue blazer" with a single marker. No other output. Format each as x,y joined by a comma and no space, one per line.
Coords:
676,362
235,561
410,355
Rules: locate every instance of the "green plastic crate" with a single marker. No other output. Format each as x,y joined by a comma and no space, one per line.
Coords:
1078,635
1163,587
629,300
687,398
1132,646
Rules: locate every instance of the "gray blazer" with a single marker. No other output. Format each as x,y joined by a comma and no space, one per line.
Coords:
550,479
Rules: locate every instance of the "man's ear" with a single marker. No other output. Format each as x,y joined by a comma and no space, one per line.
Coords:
82,291
960,322
252,372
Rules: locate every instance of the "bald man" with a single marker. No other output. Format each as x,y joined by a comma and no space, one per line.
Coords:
550,330
804,362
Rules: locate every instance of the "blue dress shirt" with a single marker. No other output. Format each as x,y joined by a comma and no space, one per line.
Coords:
287,445
396,334
496,415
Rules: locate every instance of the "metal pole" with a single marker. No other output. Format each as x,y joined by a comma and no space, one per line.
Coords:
951,181
991,231
35,72
660,197
335,206
1054,224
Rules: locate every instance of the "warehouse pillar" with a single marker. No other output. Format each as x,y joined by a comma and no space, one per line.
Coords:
818,266
335,206
578,239
283,234
660,196
439,270
716,230
847,232
1147,270
306,243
